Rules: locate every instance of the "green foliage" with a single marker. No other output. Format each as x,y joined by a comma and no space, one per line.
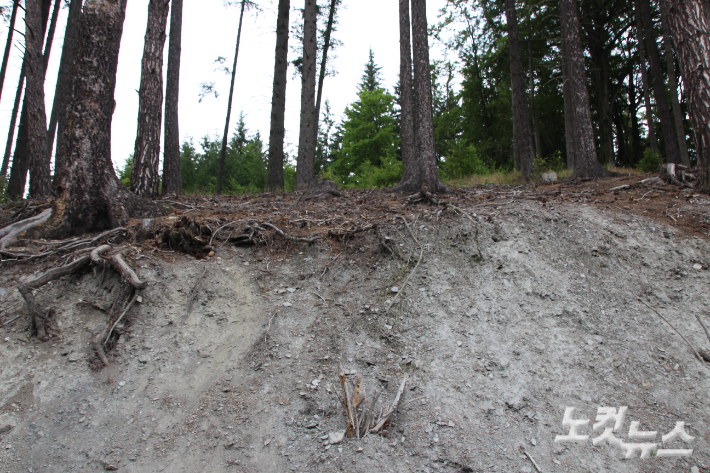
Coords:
553,162
289,177
3,185
386,174
369,140
124,174
371,77
650,161
462,160
244,165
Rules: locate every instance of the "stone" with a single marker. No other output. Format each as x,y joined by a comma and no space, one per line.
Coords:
143,359
549,177
335,438
74,357
698,266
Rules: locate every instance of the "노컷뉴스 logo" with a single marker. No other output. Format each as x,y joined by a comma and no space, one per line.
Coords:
610,420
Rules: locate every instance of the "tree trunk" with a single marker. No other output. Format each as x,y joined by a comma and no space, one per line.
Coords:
567,98
410,167
275,176
633,113
13,123
63,89
146,155
50,33
595,29
40,180
225,136
323,64
91,198
8,45
20,160
664,112
678,116
172,179
689,22
306,144
586,163
652,139
533,106
424,121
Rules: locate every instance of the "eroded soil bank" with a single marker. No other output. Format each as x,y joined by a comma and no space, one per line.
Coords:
526,308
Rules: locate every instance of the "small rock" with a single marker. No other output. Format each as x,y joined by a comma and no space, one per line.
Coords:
315,383
395,289
335,438
698,266
267,442
694,469
122,383
549,177
5,428
533,442
459,343
312,425
211,253
291,289
143,359
74,357
287,304
526,469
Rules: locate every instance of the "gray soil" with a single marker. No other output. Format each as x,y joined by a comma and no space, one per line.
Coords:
499,331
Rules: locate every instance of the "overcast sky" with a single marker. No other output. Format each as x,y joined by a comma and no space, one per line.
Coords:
209,31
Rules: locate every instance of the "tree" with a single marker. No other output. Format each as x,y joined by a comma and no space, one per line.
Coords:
428,177
678,116
13,123
275,179
223,151
146,156
327,143
567,92
371,77
521,120
410,168
670,138
586,162
689,22
90,196
40,183
172,181
8,45
653,140
63,88
327,43
306,143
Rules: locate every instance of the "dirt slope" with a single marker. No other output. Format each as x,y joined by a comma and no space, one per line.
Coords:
500,329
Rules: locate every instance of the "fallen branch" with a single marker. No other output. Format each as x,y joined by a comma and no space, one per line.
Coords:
409,230
10,232
384,420
405,281
702,361
289,237
532,460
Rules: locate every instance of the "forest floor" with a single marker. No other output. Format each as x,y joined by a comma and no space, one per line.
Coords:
525,305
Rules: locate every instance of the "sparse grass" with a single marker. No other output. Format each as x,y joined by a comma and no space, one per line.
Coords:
499,178
633,171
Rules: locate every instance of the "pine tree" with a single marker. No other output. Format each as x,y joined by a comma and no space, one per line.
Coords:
306,144
410,167
275,179
371,77
172,179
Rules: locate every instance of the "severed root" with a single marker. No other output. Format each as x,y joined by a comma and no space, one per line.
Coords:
115,315
118,263
11,232
289,237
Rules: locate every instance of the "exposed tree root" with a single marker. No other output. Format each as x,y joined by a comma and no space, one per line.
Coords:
11,232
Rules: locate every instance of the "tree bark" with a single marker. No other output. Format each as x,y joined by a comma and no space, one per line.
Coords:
275,173
172,178
533,106
323,64
90,196
8,45
664,112
424,121
146,155
410,167
13,123
39,161
678,116
522,138
652,139
306,144
689,22
225,136
567,98
63,88
637,154
20,160
586,162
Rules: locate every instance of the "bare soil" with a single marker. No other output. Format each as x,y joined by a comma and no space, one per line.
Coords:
529,306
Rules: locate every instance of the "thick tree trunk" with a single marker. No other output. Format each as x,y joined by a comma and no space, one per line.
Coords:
172,178
20,160
678,116
568,101
522,138
586,163
410,167
91,198
40,180
13,124
146,154
689,22
63,89
601,81
424,121
664,112
275,173
306,144
8,45
533,106
225,136
652,139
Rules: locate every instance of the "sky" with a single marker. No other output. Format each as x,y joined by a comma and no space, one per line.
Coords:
209,31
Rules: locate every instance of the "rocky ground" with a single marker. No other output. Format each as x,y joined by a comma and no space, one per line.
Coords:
530,303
